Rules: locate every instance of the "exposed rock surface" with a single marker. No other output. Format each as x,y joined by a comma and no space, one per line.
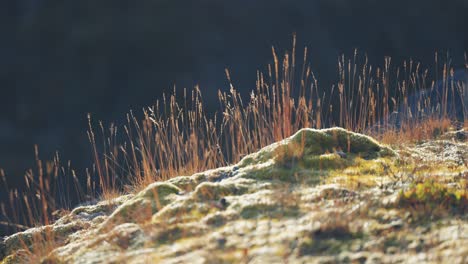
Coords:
319,196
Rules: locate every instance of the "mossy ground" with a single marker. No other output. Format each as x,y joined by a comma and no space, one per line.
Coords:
320,195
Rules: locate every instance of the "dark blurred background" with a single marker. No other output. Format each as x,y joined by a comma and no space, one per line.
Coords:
62,59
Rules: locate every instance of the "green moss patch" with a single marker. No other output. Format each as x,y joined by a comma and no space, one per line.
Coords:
269,211
364,174
295,174
433,198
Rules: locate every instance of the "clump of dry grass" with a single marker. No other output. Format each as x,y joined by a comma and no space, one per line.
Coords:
180,138
419,131
46,195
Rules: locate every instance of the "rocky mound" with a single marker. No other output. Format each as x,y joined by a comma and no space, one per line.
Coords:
321,195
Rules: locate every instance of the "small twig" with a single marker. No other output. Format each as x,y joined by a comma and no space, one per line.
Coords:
23,227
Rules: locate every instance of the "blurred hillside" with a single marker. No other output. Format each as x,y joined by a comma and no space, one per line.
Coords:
62,59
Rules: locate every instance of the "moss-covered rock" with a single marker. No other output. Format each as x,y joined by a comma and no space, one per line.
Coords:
322,141
315,142
186,183
314,148
311,154
143,205
318,196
